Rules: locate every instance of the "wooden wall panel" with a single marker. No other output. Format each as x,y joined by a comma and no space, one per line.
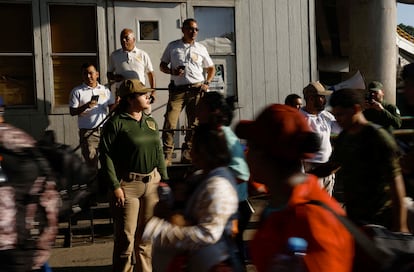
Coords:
66,129
244,59
295,44
19,121
257,54
33,124
57,125
64,126
71,132
305,37
274,40
270,58
282,49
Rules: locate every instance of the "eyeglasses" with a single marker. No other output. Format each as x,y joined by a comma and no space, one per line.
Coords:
195,29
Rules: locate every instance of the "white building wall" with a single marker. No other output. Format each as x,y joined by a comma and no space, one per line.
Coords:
276,51
275,55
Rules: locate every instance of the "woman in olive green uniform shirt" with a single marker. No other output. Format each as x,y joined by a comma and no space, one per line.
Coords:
133,164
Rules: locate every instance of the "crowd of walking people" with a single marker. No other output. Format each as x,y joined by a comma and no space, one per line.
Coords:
287,148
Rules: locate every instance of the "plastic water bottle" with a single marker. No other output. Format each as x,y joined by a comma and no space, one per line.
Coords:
292,260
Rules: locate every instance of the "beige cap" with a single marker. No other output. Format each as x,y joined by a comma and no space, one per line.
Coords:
131,86
315,88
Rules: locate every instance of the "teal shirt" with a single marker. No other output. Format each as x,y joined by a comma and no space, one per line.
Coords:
238,163
128,145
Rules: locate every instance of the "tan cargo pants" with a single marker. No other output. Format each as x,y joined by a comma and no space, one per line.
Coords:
129,222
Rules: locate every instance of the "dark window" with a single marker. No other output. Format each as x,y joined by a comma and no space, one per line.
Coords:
74,41
148,30
16,55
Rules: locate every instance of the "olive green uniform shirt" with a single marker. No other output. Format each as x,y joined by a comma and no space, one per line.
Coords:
389,118
369,163
128,145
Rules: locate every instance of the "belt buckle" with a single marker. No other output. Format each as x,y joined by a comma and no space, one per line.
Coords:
132,177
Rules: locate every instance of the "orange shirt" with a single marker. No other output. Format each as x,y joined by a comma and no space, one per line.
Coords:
330,245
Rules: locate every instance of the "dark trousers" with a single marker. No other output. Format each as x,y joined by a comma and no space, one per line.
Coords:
244,214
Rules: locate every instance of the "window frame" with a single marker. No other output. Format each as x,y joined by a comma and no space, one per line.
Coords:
47,53
149,41
37,64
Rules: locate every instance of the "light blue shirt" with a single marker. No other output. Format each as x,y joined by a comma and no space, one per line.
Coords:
238,163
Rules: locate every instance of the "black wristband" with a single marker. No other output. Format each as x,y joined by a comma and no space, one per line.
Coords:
206,83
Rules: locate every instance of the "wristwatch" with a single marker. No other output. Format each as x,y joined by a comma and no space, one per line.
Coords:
206,83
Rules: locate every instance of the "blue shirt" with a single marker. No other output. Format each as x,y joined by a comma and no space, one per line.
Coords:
238,163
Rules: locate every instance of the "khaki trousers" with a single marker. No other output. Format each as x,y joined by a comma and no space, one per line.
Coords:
89,146
177,100
129,222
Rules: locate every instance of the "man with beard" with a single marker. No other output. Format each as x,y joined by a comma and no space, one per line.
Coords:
324,124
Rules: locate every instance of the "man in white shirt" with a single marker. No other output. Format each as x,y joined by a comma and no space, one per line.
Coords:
185,60
129,62
324,124
90,102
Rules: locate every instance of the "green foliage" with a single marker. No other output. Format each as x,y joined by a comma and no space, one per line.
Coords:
407,28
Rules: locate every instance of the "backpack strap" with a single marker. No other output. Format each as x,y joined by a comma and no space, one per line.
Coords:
381,256
226,242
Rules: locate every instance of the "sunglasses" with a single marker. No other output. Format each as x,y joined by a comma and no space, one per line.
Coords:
195,29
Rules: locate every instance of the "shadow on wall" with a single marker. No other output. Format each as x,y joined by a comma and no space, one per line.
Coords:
34,122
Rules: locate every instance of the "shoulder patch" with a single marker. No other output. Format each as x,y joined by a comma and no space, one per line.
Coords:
151,124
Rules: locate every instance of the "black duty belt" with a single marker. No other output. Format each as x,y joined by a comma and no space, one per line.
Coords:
98,129
145,178
188,86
